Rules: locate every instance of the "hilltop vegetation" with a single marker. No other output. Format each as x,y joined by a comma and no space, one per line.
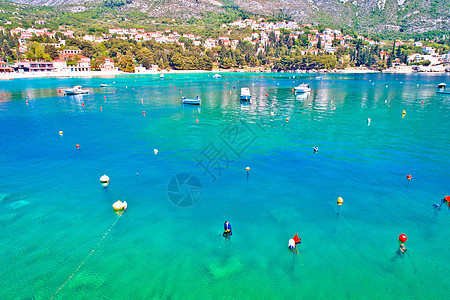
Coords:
369,16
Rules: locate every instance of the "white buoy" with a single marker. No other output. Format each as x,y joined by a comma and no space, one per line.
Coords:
272,113
119,205
368,121
104,179
155,151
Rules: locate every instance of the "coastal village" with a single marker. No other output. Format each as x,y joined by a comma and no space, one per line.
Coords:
315,41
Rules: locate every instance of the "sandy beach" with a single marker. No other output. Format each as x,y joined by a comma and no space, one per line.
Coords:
350,70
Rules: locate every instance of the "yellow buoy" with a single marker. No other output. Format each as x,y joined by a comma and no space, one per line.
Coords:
404,113
247,169
340,201
60,133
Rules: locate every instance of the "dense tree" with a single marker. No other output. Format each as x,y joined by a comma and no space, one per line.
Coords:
51,51
126,64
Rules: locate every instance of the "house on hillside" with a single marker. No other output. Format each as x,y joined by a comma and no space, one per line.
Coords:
108,65
60,65
33,66
4,67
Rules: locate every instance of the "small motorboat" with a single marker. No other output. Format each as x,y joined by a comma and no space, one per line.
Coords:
119,205
245,94
196,101
441,89
103,85
319,77
104,179
161,76
76,90
217,76
302,88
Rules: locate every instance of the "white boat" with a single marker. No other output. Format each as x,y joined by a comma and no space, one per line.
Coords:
195,101
319,77
161,76
103,85
217,76
302,96
441,89
245,94
302,88
76,90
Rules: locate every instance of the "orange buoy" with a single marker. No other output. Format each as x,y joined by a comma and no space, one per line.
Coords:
422,102
175,87
196,120
321,83
340,201
104,97
447,199
143,112
185,83
101,108
170,84
181,92
402,238
78,146
287,119
26,101
60,133
409,177
114,92
247,169
267,95
59,91
82,104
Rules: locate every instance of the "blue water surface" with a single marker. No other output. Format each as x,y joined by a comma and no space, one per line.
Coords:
61,237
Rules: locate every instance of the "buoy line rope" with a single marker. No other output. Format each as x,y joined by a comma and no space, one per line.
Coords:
90,253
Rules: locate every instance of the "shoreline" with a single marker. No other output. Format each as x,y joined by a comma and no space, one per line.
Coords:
89,74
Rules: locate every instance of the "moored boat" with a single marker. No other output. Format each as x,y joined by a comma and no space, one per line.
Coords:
217,76
195,101
441,89
245,94
302,88
76,90
103,85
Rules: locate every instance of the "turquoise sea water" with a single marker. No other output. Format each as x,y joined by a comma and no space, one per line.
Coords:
54,212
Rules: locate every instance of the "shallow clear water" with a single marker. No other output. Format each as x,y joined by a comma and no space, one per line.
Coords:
54,211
